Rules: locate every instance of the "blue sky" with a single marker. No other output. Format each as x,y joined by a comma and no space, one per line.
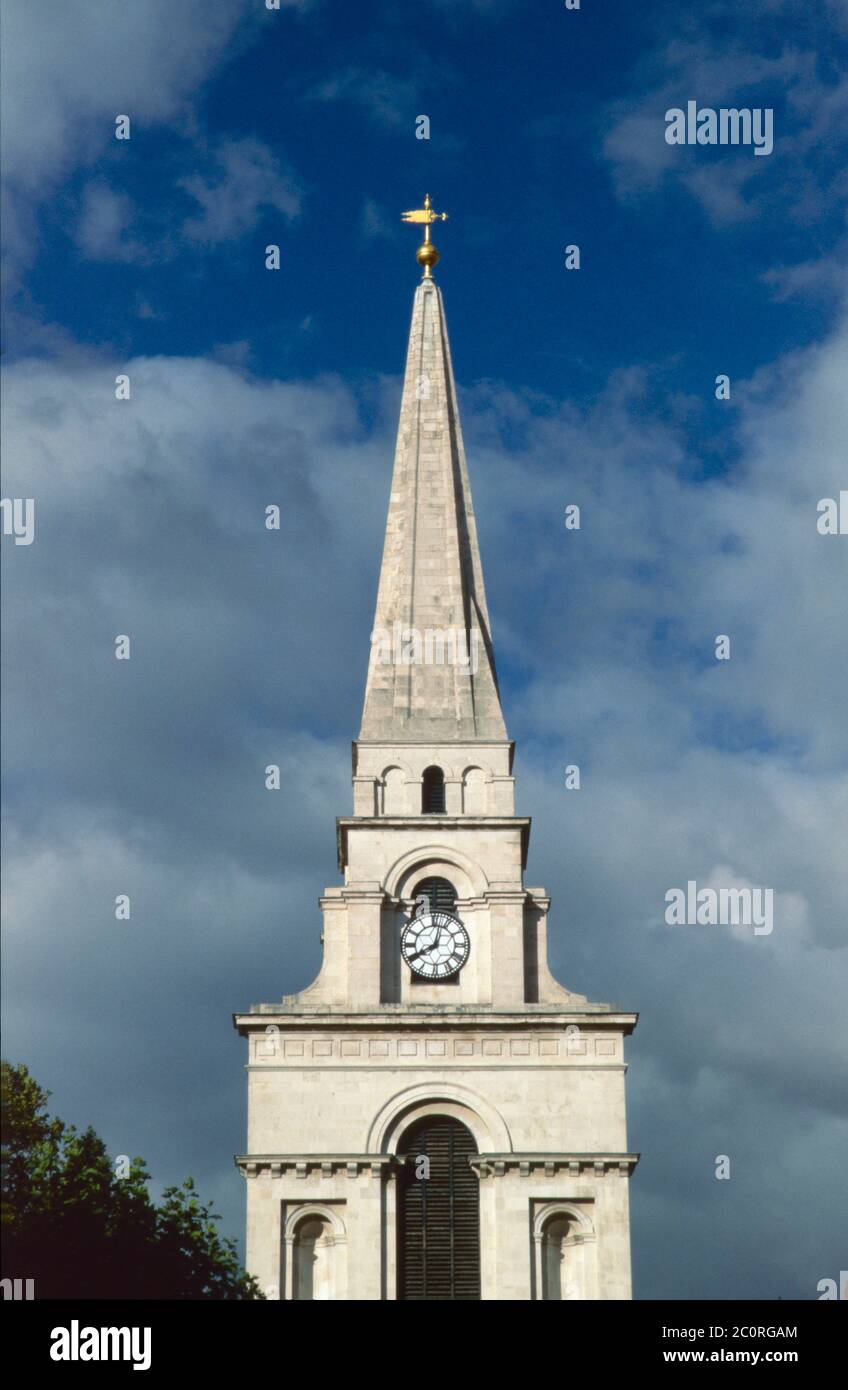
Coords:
593,386
523,102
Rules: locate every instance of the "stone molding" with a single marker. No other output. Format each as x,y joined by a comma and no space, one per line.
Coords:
485,1165
441,1016
524,1048
301,1165
441,822
413,863
402,1109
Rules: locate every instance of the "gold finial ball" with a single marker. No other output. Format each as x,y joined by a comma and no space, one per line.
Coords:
427,255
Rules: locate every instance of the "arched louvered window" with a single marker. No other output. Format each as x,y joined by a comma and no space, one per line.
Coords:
440,894
433,792
438,1212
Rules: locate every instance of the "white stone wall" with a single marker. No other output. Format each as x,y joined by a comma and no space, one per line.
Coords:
478,778
351,1106
546,1102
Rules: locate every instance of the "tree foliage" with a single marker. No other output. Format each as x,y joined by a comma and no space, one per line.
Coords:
80,1231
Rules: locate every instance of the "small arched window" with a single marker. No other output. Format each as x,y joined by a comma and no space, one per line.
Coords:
440,894
433,792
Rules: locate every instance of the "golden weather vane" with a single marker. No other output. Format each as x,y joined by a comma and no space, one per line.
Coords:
426,255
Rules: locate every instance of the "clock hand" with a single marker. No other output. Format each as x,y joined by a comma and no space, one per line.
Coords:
423,950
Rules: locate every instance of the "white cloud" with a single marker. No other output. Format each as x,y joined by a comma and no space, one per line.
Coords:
740,71
246,177
822,277
660,552
722,190
102,229
71,69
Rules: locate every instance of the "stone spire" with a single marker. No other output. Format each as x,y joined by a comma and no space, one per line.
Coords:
432,668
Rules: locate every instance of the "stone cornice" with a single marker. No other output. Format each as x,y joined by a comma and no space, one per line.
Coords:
441,822
575,1164
299,1165
485,1165
431,1017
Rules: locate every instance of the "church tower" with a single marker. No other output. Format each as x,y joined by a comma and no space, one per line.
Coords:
435,1117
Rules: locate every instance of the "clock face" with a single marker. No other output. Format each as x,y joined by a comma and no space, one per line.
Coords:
435,945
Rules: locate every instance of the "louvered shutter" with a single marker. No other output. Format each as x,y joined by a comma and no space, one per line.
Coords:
433,791
440,894
439,1216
